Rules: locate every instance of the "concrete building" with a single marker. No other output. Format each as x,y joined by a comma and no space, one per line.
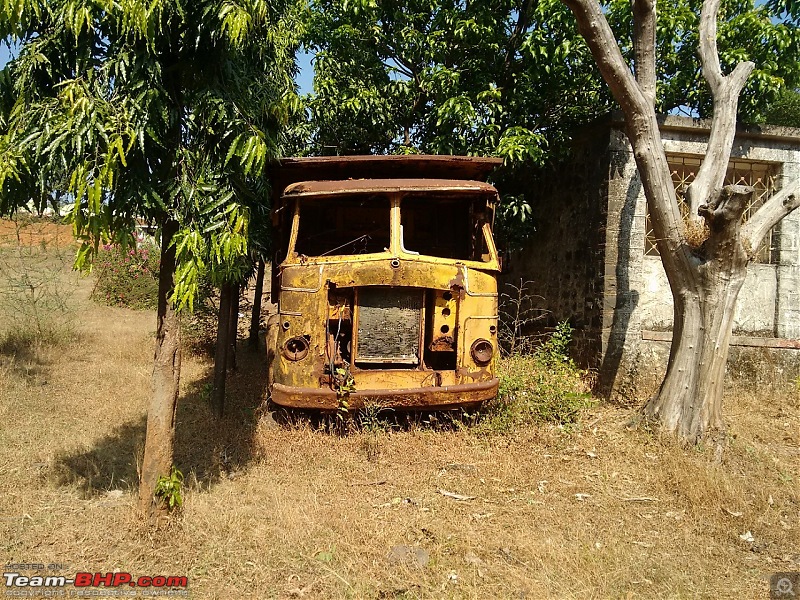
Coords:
593,259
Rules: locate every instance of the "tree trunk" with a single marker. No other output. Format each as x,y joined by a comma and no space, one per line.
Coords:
159,443
255,317
706,281
233,327
221,352
689,401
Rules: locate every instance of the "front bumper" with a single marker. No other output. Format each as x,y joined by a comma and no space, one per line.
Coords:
427,398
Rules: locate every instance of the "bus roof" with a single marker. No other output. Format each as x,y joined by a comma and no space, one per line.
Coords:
367,186
287,171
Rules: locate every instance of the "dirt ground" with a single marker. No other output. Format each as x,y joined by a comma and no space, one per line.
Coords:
34,234
417,512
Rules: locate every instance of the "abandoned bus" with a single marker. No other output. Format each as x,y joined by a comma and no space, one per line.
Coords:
385,281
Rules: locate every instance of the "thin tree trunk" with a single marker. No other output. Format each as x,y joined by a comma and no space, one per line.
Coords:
221,353
159,443
255,317
233,325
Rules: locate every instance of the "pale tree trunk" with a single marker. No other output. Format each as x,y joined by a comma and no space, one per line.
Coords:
158,449
704,281
689,401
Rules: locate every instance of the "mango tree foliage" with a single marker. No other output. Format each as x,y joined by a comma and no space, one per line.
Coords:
511,78
762,33
785,110
483,77
161,110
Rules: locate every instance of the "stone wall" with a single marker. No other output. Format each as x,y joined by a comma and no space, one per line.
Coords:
587,261
564,259
636,330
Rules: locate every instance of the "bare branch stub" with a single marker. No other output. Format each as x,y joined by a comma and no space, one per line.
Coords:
773,210
727,208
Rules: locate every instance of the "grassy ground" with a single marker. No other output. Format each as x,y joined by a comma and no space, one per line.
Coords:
280,512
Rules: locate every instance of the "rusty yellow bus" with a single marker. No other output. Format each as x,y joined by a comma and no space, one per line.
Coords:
385,281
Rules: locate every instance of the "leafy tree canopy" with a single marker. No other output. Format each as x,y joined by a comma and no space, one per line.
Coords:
764,33
438,76
166,110
785,110
512,77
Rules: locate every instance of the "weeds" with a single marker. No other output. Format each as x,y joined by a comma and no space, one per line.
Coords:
543,387
168,489
344,384
372,424
518,312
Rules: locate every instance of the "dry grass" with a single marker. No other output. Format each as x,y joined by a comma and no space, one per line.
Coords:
696,232
275,512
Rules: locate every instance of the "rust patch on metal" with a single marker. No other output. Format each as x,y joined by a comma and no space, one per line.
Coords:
454,396
480,375
456,187
444,343
290,170
458,285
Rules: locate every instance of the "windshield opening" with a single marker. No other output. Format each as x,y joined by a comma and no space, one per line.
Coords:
445,227
343,225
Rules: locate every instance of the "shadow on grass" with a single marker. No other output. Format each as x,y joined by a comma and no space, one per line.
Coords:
206,450
110,465
29,354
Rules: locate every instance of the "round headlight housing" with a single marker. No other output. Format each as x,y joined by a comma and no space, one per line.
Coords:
482,351
296,348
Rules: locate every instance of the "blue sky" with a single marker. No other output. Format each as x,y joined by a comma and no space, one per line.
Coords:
306,75
4,55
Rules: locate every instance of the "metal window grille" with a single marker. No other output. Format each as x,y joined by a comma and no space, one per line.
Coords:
762,176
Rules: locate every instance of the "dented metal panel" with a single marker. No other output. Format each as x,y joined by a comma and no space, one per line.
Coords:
290,170
456,396
371,186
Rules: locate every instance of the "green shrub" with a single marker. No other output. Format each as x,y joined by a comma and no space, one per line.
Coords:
127,277
542,387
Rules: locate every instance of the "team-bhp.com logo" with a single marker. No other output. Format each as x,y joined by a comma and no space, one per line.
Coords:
157,585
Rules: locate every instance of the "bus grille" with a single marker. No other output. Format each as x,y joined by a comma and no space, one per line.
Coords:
389,325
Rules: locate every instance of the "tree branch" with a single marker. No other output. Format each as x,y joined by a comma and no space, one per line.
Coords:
641,127
644,45
516,37
594,28
773,210
725,93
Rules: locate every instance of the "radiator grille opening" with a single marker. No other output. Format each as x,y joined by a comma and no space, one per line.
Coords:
389,326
